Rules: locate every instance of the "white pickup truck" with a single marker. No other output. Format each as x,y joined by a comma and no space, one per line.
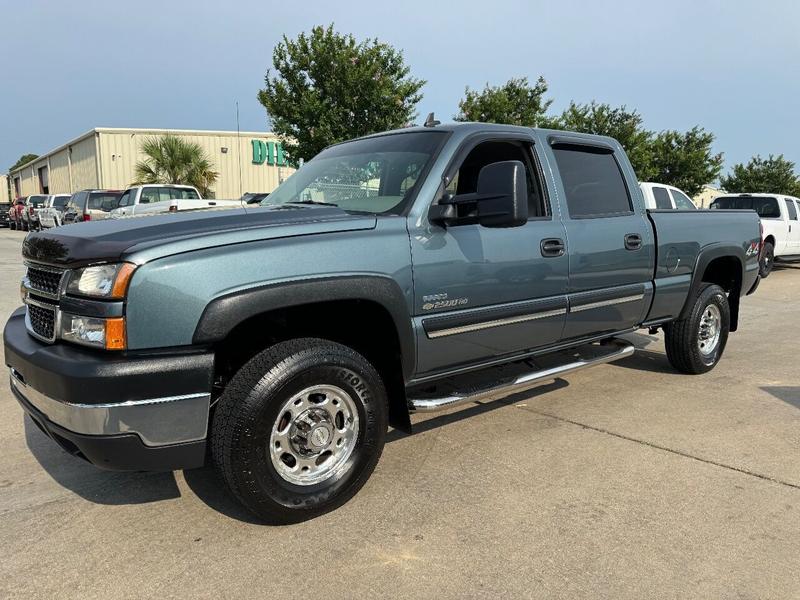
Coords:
661,196
780,222
162,198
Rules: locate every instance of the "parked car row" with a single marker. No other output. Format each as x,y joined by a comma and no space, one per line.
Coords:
30,213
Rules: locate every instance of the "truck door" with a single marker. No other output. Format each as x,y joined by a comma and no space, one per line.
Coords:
611,252
480,292
793,238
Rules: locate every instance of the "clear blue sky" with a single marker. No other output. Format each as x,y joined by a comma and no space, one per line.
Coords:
732,67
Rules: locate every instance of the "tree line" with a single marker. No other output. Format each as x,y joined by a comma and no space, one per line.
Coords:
325,87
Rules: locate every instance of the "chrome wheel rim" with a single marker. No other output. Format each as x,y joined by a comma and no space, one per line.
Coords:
710,326
314,435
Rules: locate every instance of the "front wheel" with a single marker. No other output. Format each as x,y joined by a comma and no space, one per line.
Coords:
696,343
299,429
767,260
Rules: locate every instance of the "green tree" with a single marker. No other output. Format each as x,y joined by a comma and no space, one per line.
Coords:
173,160
625,126
327,87
684,160
25,158
773,175
514,103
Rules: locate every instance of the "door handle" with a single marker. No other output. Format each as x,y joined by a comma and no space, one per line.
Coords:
633,241
552,247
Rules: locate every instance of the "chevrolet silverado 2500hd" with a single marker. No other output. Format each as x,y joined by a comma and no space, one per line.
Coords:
406,271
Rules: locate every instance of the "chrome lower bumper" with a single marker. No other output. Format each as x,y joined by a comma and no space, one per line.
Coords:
157,421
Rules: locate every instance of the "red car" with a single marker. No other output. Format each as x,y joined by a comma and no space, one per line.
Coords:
15,213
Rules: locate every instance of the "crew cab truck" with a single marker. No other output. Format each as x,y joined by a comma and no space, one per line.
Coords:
780,220
151,199
402,272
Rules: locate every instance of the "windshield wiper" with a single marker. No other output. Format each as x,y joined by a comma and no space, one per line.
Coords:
313,202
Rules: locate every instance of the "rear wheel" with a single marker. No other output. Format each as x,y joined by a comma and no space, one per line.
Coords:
695,344
299,429
767,260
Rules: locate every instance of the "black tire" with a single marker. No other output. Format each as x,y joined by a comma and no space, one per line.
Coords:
251,405
25,226
767,260
683,337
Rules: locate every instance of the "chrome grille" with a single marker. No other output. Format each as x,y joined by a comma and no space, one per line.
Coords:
41,321
44,280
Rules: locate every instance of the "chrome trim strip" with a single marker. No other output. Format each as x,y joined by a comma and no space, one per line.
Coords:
616,350
496,323
603,303
157,421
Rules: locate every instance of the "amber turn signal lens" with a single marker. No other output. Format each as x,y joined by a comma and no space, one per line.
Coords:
115,334
122,280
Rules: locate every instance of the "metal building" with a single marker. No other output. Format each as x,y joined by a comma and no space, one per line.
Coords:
105,158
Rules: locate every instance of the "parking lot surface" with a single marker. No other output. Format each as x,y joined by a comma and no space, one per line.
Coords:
627,480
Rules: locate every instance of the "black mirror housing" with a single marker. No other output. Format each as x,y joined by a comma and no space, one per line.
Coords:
503,194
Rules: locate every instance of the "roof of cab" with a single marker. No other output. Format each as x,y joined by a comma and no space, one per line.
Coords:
467,128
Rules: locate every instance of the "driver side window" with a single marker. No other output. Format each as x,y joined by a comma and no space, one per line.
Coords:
465,179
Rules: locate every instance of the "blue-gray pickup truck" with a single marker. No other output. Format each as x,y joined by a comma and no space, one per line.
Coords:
401,272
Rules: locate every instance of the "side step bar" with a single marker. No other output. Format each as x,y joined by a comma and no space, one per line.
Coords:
608,352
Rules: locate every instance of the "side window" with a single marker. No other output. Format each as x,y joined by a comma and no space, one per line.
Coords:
149,195
593,182
791,209
662,197
465,180
125,200
682,201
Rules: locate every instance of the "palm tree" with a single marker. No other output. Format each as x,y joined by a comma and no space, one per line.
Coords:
173,160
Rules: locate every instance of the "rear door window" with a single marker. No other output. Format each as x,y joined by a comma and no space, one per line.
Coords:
661,197
593,182
791,209
149,195
682,201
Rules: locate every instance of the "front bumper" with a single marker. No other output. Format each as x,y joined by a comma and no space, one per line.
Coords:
120,412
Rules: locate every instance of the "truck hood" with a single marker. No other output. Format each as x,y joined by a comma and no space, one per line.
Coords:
114,239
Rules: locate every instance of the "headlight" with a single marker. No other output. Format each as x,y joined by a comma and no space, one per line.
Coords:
102,281
91,331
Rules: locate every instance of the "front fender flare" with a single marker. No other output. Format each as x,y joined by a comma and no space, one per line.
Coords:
225,312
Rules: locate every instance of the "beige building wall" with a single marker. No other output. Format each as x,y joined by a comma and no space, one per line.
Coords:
707,195
5,193
83,160
121,149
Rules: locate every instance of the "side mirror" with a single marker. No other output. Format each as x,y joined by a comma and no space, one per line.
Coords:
503,194
500,200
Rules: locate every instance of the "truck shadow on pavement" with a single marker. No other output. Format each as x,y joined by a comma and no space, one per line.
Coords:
787,393
93,484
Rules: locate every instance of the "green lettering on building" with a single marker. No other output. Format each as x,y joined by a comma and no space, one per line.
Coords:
259,152
268,152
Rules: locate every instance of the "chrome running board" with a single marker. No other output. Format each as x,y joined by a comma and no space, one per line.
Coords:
604,353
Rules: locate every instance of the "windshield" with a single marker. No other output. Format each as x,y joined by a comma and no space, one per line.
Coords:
60,201
375,175
766,208
37,201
